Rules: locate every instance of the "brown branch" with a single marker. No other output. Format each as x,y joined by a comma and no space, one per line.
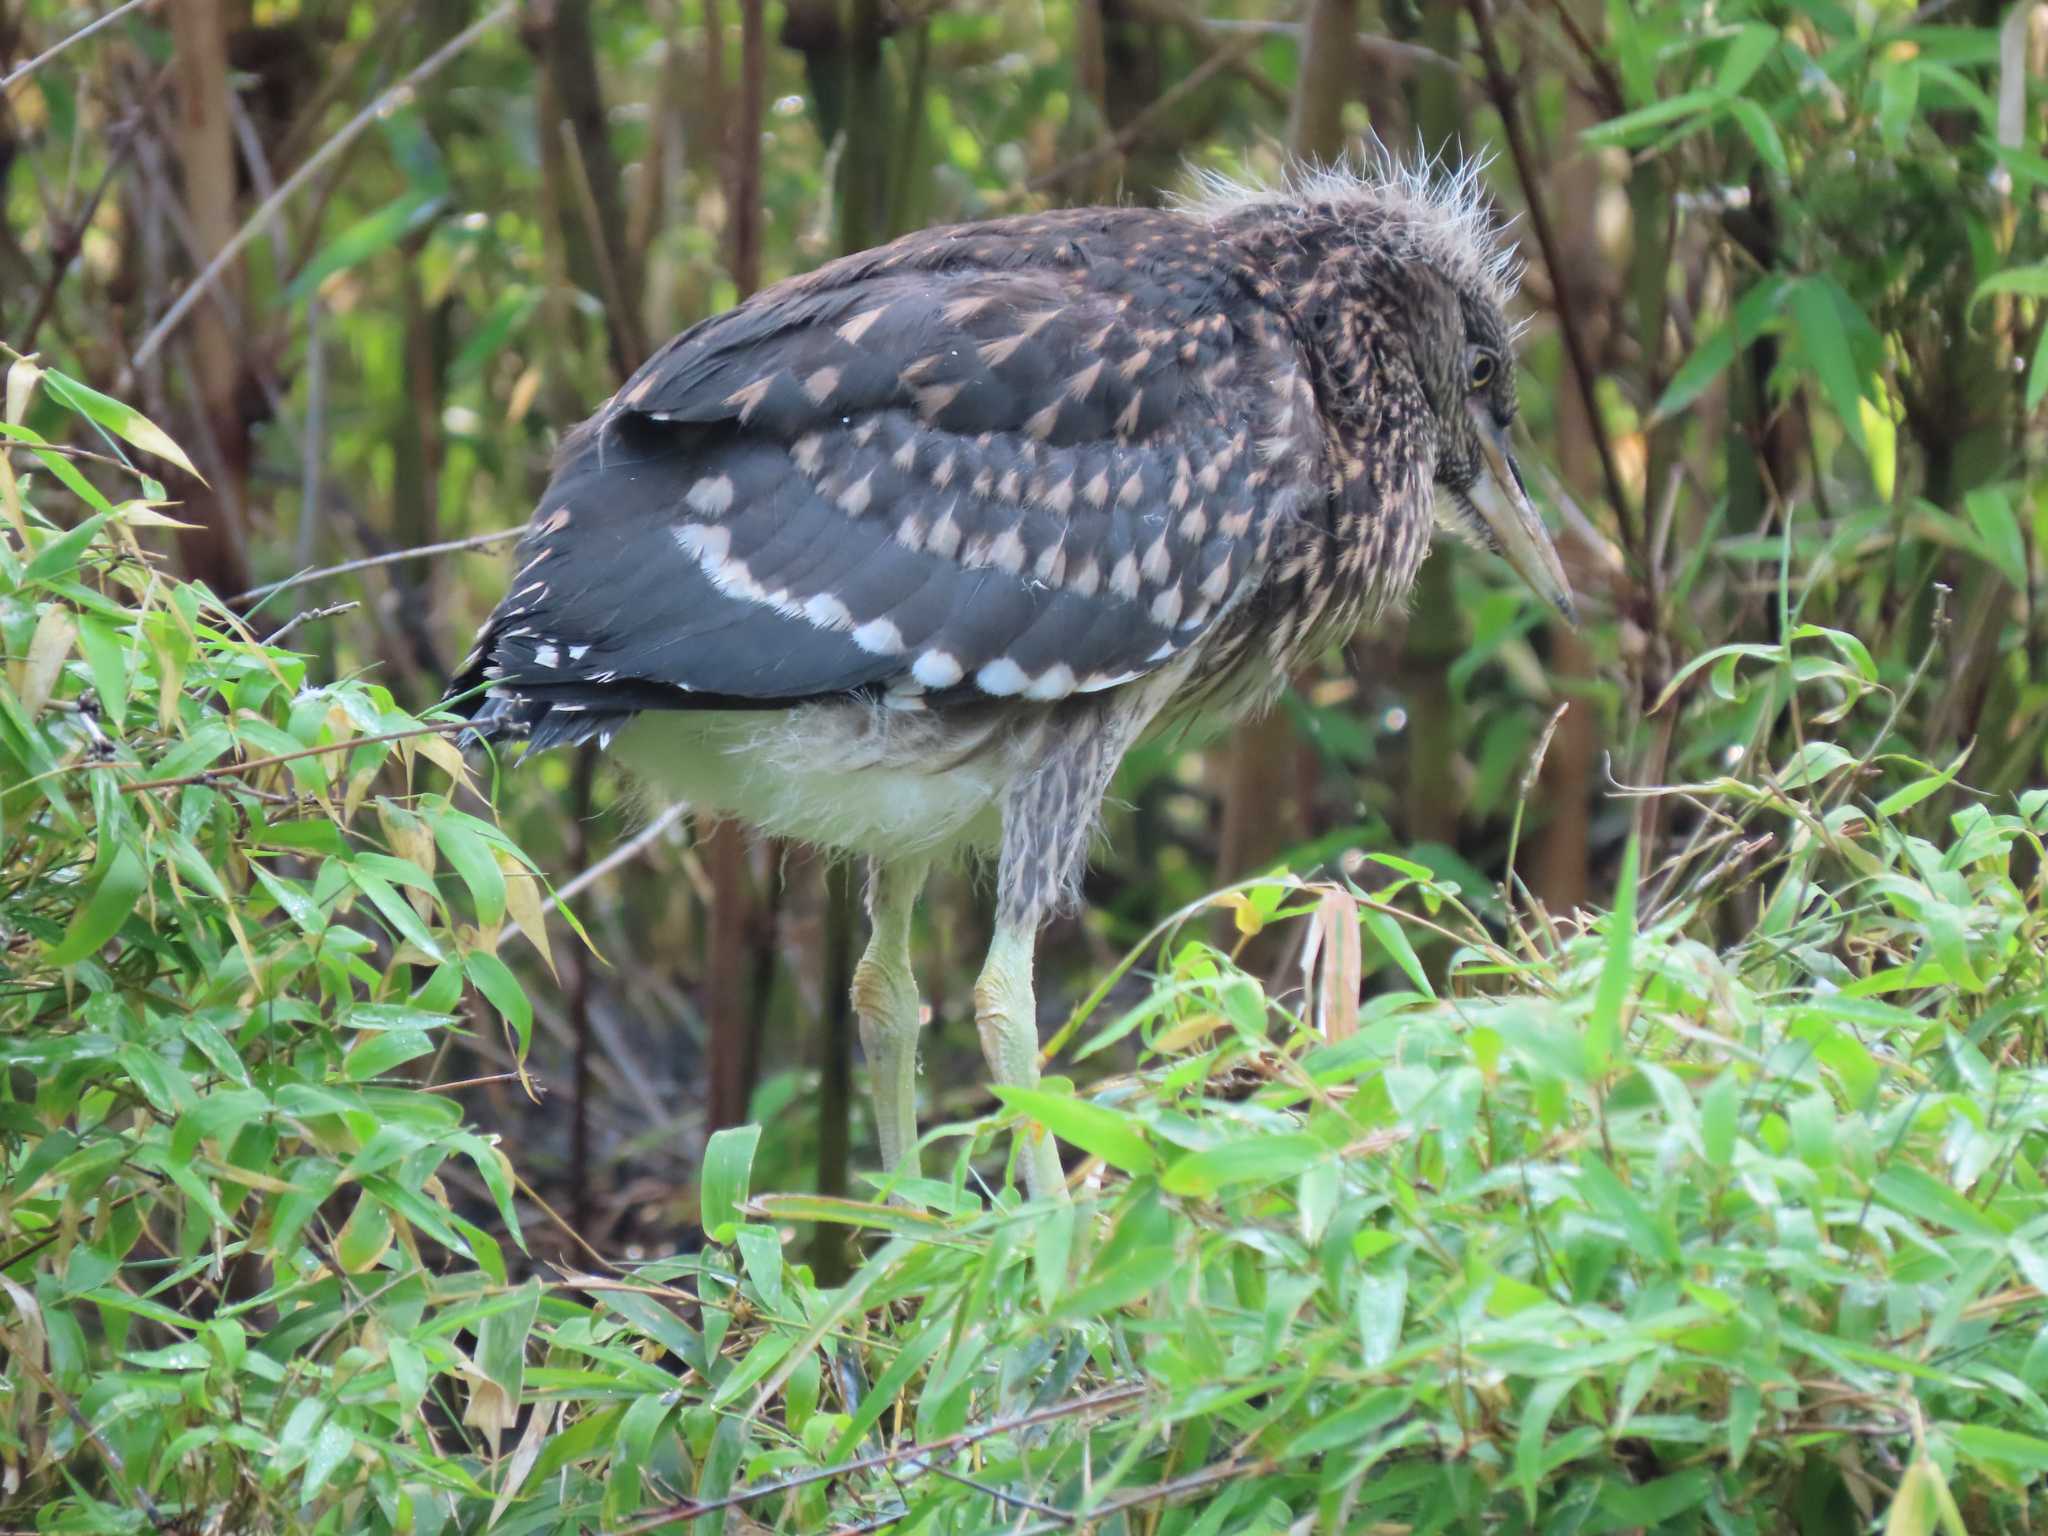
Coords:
688,1509
743,186
23,71
68,239
1135,130
450,546
276,636
1328,79
1608,85
623,313
1203,34
1501,90
1172,1488
625,853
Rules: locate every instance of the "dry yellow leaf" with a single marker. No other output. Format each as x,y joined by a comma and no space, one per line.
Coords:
47,653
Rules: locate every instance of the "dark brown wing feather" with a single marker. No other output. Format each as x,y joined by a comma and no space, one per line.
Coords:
1031,458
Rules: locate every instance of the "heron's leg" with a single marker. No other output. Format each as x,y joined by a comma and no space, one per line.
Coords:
1047,819
1006,1014
885,1002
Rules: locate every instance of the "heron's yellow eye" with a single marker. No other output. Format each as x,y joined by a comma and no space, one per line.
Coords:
1482,370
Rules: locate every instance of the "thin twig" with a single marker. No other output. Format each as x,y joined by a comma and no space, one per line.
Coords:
23,71
1059,1518
69,241
1367,42
1135,130
277,635
1173,1488
130,1489
1612,98
479,1082
222,770
625,323
625,853
1502,91
450,546
689,1509
270,207
1203,33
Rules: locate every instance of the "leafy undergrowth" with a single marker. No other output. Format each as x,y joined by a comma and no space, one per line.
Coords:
1571,1228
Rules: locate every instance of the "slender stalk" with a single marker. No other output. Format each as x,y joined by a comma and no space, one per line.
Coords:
1501,90
271,206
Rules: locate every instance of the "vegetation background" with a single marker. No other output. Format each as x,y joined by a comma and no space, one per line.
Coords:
1420,1197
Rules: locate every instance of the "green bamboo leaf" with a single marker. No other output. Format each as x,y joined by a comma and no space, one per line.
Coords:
59,557
1762,133
1531,1436
107,658
124,421
114,897
837,1211
494,979
2027,282
376,1054
1635,127
1253,1160
1816,306
1617,969
501,1341
1985,1442
2005,547
363,239
722,1187
1117,1138
396,911
1752,45
1394,940
471,857
632,1445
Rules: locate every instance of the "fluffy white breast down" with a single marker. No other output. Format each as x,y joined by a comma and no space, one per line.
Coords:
855,777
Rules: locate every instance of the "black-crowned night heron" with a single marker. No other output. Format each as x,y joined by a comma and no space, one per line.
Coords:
898,558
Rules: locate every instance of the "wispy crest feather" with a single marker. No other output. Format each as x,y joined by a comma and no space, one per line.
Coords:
1437,208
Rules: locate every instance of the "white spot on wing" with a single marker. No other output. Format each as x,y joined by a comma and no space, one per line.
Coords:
707,543
827,612
711,496
1055,682
879,637
854,499
1001,677
937,669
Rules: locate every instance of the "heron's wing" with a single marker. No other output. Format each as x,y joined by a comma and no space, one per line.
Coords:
1030,465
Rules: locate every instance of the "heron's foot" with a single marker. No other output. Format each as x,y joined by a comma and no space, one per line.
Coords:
1006,1016
885,1002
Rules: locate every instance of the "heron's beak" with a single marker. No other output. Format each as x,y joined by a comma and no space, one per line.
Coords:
1518,533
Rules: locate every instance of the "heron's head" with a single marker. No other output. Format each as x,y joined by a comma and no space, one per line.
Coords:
1404,262
1465,352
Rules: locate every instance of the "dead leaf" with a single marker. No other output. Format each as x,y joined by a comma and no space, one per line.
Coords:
47,653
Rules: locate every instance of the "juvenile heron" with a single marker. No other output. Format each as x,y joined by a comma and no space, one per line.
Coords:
899,558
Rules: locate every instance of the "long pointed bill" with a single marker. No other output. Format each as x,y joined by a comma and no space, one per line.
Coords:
1518,533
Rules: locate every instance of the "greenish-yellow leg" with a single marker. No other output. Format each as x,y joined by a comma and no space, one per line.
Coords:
1006,1014
885,1002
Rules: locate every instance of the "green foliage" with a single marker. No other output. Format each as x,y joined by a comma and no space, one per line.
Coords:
1720,1211
238,1235
1606,1229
